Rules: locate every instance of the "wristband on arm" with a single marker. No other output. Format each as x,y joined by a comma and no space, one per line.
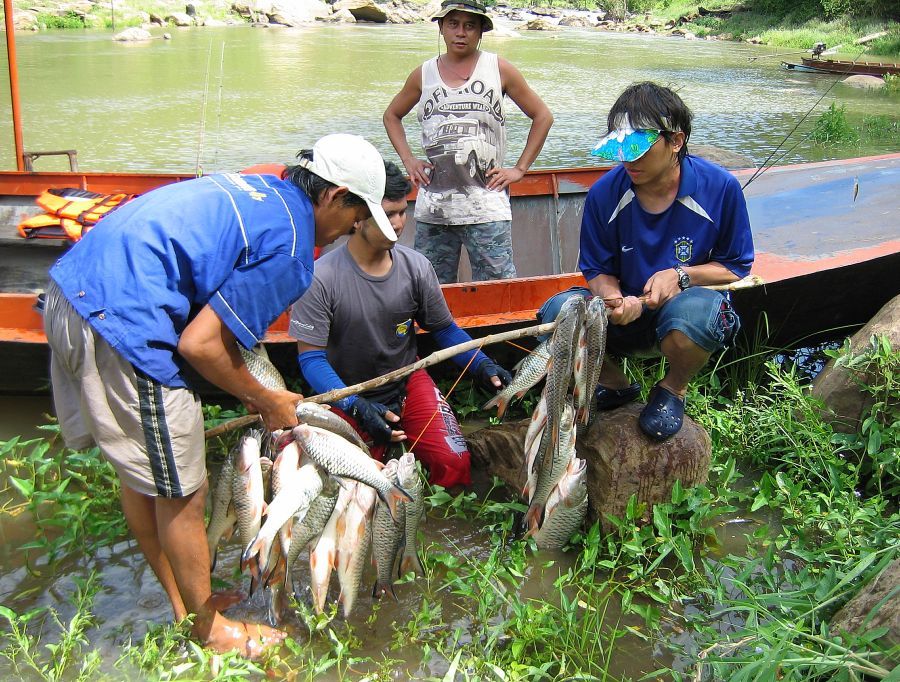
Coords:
320,375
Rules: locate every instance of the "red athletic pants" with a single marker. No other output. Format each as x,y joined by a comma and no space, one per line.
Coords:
432,433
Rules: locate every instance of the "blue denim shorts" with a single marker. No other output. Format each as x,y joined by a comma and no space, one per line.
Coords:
703,315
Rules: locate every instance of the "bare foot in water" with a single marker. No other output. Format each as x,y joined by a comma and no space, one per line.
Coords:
250,640
225,599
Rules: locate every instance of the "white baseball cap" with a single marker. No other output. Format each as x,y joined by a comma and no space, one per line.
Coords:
351,161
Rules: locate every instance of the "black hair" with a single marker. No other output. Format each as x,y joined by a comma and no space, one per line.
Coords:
648,102
484,20
314,186
396,186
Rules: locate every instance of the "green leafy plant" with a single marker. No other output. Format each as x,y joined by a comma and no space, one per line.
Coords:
832,127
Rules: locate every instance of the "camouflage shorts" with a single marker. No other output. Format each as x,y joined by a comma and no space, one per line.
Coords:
489,246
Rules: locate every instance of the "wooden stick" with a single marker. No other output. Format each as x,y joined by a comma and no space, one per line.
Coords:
433,359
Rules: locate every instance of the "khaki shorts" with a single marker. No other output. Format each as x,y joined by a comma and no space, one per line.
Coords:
151,434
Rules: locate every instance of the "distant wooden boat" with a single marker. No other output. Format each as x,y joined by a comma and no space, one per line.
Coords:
841,67
829,255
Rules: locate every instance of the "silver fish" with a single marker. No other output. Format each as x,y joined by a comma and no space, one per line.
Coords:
343,459
386,538
222,517
262,369
323,557
595,328
408,475
559,372
317,415
309,526
580,366
566,508
554,467
354,530
300,488
247,492
530,371
536,426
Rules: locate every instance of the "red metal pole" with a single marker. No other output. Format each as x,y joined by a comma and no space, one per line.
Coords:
14,83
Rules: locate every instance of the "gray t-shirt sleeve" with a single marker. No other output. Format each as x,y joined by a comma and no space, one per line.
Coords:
433,312
311,315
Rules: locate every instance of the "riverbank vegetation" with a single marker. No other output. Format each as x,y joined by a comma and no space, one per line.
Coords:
815,514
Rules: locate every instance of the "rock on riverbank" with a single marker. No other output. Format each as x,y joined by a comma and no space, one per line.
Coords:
131,13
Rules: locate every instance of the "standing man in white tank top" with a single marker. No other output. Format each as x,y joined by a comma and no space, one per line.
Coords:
463,196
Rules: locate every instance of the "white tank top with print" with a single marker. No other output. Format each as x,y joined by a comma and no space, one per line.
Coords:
464,135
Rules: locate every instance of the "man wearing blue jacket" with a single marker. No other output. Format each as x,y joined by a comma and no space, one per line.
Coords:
177,277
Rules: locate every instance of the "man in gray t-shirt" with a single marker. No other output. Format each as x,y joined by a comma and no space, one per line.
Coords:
357,322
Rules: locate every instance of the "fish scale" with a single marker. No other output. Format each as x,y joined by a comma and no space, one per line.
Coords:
531,370
322,557
595,326
262,369
247,491
317,415
386,537
548,476
566,507
353,545
309,526
222,517
408,475
341,458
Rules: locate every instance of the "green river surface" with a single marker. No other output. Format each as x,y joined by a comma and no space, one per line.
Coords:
238,96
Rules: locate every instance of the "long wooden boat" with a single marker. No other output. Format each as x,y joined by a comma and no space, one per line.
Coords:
842,67
826,235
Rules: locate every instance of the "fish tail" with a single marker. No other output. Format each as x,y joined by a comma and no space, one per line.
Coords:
380,589
213,556
410,561
256,556
499,401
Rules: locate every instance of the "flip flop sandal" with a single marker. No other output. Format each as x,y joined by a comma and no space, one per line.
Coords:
611,398
664,414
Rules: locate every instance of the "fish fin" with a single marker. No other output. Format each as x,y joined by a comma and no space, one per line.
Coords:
214,555
411,561
493,402
533,519
396,493
380,589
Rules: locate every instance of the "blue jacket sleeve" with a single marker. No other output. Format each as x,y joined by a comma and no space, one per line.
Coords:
319,373
452,335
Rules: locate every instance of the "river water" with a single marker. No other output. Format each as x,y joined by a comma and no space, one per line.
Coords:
241,95
222,99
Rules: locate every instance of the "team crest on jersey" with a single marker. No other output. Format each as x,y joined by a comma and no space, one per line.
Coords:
684,249
403,328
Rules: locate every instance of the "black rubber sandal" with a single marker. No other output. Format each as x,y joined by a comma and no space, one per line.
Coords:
611,398
663,416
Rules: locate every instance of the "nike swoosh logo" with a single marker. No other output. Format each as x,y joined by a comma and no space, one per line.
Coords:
626,249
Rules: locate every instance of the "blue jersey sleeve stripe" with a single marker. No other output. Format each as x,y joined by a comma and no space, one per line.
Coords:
240,220
290,217
238,319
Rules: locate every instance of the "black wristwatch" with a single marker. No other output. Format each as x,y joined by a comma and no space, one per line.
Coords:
684,279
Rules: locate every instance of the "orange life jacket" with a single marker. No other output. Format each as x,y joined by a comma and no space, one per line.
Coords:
69,213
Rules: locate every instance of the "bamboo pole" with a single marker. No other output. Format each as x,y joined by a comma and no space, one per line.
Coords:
433,359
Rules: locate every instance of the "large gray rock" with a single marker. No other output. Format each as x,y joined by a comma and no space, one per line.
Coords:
25,20
621,460
133,34
837,387
342,16
865,82
363,10
296,12
538,25
724,157
877,604
577,21
179,19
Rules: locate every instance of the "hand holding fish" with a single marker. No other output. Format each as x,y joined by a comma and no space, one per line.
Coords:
492,375
278,409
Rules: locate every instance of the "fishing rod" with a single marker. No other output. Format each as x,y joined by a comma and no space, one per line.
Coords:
219,111
199,169
766,164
